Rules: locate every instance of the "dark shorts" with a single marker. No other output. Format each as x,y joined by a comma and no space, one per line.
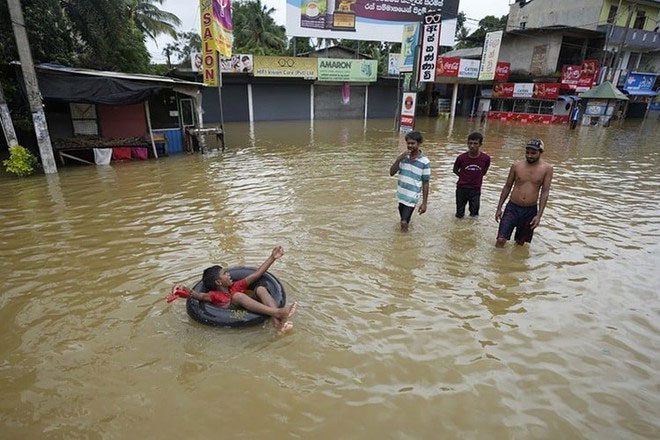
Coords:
406,212
517,217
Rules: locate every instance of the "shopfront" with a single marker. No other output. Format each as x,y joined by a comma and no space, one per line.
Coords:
526,102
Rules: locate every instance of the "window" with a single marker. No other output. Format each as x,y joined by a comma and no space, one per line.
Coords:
83,117
640,20
611,17
523,24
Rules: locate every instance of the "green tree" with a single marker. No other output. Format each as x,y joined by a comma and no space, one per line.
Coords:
489,23
150,19
255,30
182,47
50,32
110,40
301,45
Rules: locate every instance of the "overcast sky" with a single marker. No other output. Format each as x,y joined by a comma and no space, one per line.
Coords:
188,12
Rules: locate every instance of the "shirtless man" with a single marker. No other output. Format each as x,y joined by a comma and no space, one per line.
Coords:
526,178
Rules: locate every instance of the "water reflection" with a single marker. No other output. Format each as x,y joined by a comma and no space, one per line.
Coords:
392,326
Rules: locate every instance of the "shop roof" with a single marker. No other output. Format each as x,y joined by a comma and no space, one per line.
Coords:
604,91
470,52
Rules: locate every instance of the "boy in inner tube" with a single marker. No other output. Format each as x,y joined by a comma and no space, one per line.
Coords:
223,292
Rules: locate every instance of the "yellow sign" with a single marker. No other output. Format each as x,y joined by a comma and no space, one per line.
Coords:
291,67
209,54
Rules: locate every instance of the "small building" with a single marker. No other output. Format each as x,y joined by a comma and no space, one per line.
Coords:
602,104
124,114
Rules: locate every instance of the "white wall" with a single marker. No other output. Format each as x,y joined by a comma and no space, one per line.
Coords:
542,13
518,50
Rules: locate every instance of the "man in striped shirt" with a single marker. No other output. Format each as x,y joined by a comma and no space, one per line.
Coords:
414,170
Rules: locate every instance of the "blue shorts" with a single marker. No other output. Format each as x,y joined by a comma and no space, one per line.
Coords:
518,217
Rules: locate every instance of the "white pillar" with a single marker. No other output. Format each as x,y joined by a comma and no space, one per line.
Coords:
366,102
311,103
250,105
454,99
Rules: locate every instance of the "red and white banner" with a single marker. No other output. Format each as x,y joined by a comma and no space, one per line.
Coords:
447,66
570,74
502,71
588,75
428,57
548,91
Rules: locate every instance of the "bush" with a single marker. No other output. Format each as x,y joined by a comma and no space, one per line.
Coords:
21,162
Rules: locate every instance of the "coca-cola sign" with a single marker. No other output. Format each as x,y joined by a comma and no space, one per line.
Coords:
548,91
503,90
502,71
570,74
588,74
448,66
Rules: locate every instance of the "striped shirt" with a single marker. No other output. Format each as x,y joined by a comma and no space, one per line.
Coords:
411,175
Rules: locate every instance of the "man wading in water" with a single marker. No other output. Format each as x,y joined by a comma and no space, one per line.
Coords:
414,170
527,178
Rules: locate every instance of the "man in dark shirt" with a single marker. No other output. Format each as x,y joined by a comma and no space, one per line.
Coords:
470,167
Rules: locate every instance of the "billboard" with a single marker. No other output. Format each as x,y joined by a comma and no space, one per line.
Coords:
393,64
371,20
502,71
209,53
468,68
347,70
490,55
239,63
291,67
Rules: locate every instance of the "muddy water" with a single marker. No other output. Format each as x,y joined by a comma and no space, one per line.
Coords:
430,334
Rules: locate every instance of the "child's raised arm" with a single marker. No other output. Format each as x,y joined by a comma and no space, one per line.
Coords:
276,254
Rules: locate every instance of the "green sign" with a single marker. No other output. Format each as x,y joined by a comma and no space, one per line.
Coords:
333,69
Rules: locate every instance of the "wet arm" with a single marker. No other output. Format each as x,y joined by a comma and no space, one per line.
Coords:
457,167
545,191
395,166
277,253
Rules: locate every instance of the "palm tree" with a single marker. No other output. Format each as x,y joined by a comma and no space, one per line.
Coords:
255,30
150,19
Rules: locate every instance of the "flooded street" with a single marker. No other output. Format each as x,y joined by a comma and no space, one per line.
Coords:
429,334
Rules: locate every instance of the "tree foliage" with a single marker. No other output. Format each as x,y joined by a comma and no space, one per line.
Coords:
255,30
182,47
150,19
489,23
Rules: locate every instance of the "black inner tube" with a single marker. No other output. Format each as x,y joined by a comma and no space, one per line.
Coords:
206,313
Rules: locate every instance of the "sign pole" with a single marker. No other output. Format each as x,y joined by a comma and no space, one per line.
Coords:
222,118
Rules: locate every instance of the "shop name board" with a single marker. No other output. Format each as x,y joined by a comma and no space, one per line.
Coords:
639,82
489,56
468,69
347,70
288,67
209,53
546,91
428,56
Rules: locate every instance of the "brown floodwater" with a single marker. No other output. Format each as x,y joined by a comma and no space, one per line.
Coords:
429,334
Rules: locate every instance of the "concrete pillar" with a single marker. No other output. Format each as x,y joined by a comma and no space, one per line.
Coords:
454,100
5,121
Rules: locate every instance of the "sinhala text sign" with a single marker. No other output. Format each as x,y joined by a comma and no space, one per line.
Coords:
372,20
292,67
347,70
428,56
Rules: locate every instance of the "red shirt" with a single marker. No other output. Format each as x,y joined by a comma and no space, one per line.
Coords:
223,299
471,170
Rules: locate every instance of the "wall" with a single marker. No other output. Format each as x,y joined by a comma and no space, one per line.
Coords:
518,50
328,102
122,121
542,13
651,14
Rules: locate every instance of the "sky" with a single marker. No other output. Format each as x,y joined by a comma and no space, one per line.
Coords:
189,15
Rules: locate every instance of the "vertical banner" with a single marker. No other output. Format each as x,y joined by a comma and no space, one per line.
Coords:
428,57
223,29
409,46
209,54
408,112
490,55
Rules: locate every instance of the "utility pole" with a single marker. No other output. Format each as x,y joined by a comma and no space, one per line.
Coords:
32,87
5,121
631,11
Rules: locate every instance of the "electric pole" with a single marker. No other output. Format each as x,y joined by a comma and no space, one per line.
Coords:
32,87
631,11
5,121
